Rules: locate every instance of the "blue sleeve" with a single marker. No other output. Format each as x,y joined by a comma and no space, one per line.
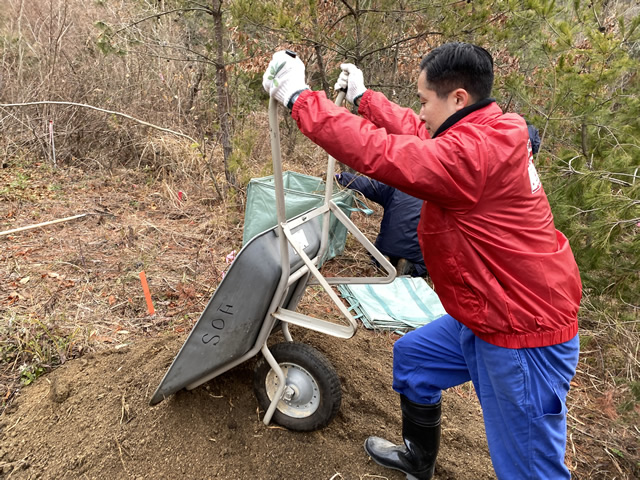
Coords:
372,189
534,135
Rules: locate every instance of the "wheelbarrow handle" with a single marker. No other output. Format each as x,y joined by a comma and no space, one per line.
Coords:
328,193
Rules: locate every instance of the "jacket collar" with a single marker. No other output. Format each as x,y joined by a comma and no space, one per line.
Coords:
460,114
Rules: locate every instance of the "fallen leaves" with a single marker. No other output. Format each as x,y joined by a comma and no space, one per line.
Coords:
14,297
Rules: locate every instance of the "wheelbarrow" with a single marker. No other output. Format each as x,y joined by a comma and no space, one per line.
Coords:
294,383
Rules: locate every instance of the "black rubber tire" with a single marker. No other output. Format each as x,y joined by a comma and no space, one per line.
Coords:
314,365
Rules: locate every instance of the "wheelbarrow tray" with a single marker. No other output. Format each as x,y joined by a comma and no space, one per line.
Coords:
230,326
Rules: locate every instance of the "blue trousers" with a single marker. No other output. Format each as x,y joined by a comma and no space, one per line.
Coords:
522,392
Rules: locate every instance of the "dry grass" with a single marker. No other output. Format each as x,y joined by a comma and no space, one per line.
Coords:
73,287
604,402
52,51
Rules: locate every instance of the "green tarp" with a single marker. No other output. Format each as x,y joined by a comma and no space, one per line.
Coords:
404,304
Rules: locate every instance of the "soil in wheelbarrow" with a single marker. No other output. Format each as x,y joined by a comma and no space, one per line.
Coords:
90,419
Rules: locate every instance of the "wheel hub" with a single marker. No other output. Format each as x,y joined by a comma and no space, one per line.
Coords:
301,397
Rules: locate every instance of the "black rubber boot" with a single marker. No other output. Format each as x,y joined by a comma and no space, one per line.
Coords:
421,435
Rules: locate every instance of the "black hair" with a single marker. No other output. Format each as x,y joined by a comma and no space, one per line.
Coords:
459,65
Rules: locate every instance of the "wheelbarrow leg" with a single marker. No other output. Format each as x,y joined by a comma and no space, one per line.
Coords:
273,363
286,333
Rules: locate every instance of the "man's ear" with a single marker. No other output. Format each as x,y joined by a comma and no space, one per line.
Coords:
460,98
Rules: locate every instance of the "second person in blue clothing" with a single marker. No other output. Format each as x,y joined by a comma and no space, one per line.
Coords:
398,235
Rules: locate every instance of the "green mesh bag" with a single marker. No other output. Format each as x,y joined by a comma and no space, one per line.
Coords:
301,193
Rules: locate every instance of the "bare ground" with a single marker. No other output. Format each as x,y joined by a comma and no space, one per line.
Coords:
74,316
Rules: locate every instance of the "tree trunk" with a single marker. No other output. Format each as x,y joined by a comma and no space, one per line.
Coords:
323,75
222,88
318,50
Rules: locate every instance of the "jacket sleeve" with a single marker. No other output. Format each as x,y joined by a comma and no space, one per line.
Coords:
448,170
371,189
383,113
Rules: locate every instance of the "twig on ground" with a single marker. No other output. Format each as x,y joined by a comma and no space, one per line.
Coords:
43,224
121,458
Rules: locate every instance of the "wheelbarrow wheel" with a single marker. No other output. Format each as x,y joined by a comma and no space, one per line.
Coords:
312,396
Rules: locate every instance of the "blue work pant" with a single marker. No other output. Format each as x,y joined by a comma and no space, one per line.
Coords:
522,392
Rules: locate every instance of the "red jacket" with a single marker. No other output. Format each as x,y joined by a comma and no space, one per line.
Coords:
487,235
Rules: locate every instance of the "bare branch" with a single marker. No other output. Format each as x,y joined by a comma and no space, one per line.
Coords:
110,112
399,42
160,14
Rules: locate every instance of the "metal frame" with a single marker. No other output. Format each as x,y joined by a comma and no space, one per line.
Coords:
284,232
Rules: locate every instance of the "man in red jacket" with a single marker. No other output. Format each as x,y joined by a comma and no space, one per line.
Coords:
505,275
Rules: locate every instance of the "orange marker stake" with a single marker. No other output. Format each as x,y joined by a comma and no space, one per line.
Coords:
147,294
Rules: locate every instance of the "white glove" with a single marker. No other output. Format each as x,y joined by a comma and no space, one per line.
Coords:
351,80
284,77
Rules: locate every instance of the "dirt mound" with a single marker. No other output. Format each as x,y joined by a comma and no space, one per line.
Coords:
90,419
